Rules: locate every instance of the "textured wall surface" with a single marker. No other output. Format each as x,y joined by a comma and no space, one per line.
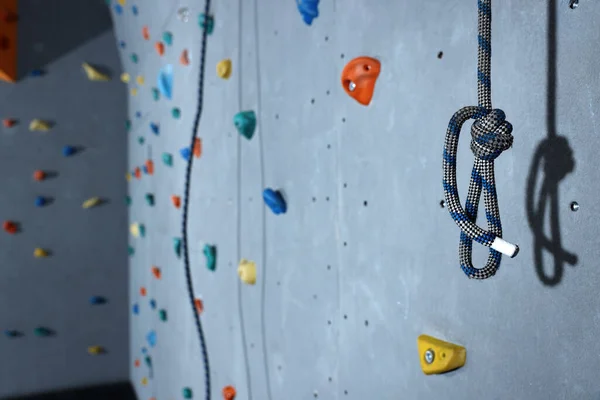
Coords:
365,260
88,247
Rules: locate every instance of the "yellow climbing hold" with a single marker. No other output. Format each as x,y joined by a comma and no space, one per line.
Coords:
224,68
91,202
144,381
438,356
128,176
140,80
135,229
133,92
95,350
40,253
125,77
93,74
247,271
122,2
39,125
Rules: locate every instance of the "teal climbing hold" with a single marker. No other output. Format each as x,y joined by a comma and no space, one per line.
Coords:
128,200
167,159
155,93
167,38
148,361
176,113
130,250
208,20
187,393
141,140
128,125
210,252
42,331
150,199
134,58
245,122
163,315
177,246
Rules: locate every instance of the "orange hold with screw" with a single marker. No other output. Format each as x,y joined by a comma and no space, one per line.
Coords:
229,393
359,77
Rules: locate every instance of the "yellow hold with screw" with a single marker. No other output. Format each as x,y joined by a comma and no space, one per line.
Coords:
247,271
438,357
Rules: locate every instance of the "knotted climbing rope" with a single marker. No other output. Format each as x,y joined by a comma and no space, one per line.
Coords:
490,136
188,174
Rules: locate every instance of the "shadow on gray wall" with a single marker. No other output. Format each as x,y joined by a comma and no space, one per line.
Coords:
49,29
116,391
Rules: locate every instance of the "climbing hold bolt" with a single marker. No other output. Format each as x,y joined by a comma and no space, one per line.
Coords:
40,253
167,159
210,252
91,202
177,246
162,314
359,77
167,37
39,175
438,357
96,350
245,122
187,393
39,125
309,10
97,300
160,48
275,201
229,393
247,271
93,74
10,227
41,331
137,230
206,22
224,68
176,200
125,77
149,199
40,201
176,113
151,338
184,58
68,150
165,81
145,33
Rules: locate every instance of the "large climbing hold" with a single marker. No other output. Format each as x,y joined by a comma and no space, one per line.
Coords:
165,81
9,44
229,393
247,271
275,201
94,74
359,77
39,125
210,252
438,357
224,69
245,122
309,9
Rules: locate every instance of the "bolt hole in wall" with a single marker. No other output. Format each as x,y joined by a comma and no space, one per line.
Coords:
440,55
574,206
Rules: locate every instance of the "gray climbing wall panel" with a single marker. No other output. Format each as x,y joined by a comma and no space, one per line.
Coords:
366,260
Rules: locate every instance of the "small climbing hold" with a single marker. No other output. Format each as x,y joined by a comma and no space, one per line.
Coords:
133,91
40,253
160,48
96,350
10,227
206,22
68,150
199,306
165,81
185,153
151,338
309,9
154,128
39,125
183,14
41,331
167,37
97,300
177,246
153,304
37,72
39,175
162,314
144,381
275,201
118,9
145,32
138,114
210,252
224,68
137,230
176,113
125,77
11,333
136,309
229,393
140,80
134,10
438,357
130,250
9,122
187,393
128,176
136,363
247,271
143,291
91,202
149,199
128,200
359,77
122,44
128,125
141,139
134,58
40,201
176,200
197,147
148,361
137,172
155,94
93,74
156,272
122,2
245,122
167,159
184,58
149,167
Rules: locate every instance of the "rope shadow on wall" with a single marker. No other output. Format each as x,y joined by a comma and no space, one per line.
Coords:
554,158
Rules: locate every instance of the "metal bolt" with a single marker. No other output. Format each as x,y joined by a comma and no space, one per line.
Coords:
352,86
573,4
429,356
574,206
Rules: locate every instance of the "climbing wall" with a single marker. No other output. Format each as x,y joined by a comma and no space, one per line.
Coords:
63,289
365,259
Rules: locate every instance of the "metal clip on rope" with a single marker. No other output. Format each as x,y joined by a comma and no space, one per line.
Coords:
491,135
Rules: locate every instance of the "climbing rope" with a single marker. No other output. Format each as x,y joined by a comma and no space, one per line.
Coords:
188,174
491,135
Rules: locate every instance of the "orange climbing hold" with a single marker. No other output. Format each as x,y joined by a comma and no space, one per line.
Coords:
145,32
359,77
143,291
9,122
199,306
197,147
137,363
150,167
8,40
10,227
176,201
184,59
229,393
137,172
156,272
160,48
39,175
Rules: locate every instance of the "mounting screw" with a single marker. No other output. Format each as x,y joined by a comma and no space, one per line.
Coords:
574,206
429,356
573,4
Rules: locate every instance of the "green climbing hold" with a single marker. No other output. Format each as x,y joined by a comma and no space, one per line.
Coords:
149,200
163,315
141,140
155,93
42,332
187,393
210,252
176,112
131,250
128,200
134,58
245,122
167,38
177,246
167,159
128,125
208,20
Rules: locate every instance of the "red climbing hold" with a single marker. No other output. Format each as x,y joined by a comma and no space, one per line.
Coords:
359,77
160,48
176,201
229,393
143,291
150,167
137,363
137,172
184,59
9,122
10,227
199,306
197,147
145,33
156,272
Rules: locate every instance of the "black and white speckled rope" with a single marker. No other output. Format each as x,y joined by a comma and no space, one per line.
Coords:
491,135
188,174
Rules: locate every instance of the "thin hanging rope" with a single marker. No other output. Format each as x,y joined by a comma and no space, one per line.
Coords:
491,135
188,174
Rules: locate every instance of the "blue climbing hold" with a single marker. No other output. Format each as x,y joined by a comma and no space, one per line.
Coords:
210,252
136,309
118,9
96,300
40,201
309,9
68,151
245,122
154,128
185,153
145,169
134,10
138,114
165,81
37,72
275,201
153,304
122,44
144,350
11,333
177,246
151,338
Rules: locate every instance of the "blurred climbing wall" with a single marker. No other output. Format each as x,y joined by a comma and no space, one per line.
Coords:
87,247
366,259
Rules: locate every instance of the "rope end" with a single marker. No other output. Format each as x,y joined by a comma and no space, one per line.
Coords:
504,247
